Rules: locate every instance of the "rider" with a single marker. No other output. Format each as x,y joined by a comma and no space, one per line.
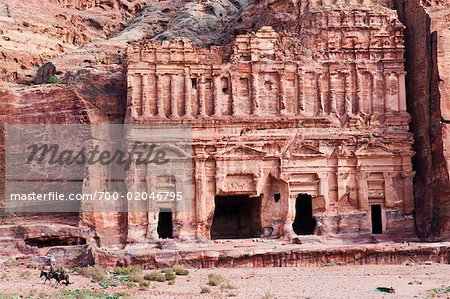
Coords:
52,262
62,274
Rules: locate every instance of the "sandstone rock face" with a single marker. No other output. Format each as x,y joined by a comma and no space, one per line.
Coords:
428,102
33,32
309,93
313,112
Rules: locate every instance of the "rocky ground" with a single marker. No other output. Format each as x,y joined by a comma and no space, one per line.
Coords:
407,281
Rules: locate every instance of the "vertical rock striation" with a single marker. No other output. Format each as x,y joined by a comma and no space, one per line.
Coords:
428,103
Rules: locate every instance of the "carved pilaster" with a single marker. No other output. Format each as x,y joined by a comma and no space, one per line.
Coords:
200,200
187,93
402,91
217,96
146,95
202,96
159,97
282,89
363,196
408,191
389,188
325,187
173,96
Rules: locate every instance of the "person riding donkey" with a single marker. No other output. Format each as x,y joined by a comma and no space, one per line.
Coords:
53,274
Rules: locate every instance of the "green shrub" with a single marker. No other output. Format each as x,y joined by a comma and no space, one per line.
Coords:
181,271
214,280
135,278
144,284
95,273
53,80
170,274
155,276
171,282
91,294
130,270
121,295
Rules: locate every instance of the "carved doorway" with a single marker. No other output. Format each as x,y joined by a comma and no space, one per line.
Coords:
377,220
165,226
304,222
236,217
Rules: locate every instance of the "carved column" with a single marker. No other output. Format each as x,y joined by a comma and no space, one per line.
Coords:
136,95
389,188
173,96
153,209
363,194
325,187
187,93
202,96
159,97
288,230
378,82
234,96
200,200
333,97
408,191
146,95
320,93
402,91
300,93
282,89
217,96
136,230
255,92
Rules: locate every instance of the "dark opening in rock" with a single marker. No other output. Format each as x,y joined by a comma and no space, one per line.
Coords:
165,225
304,222
277,197
55,241
377,222
236,217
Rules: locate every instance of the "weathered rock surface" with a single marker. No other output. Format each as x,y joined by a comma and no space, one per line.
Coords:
427,64
87,42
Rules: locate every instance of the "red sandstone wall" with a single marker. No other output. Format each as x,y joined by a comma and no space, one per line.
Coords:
428,107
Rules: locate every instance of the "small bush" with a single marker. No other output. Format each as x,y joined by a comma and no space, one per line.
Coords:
134,278
121,295
171,282
214,280
170,274
53,79
130,284
85,294
95,273
205,290
130,270
155,276
144,284
181,271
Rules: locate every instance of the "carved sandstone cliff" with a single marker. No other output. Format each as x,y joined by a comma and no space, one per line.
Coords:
87,42
428,85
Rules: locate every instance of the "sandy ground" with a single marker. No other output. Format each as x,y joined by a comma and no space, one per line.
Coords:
420,281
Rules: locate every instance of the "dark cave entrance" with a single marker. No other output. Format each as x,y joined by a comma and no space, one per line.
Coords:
55,241
377,220
304,222
165,225
236,217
